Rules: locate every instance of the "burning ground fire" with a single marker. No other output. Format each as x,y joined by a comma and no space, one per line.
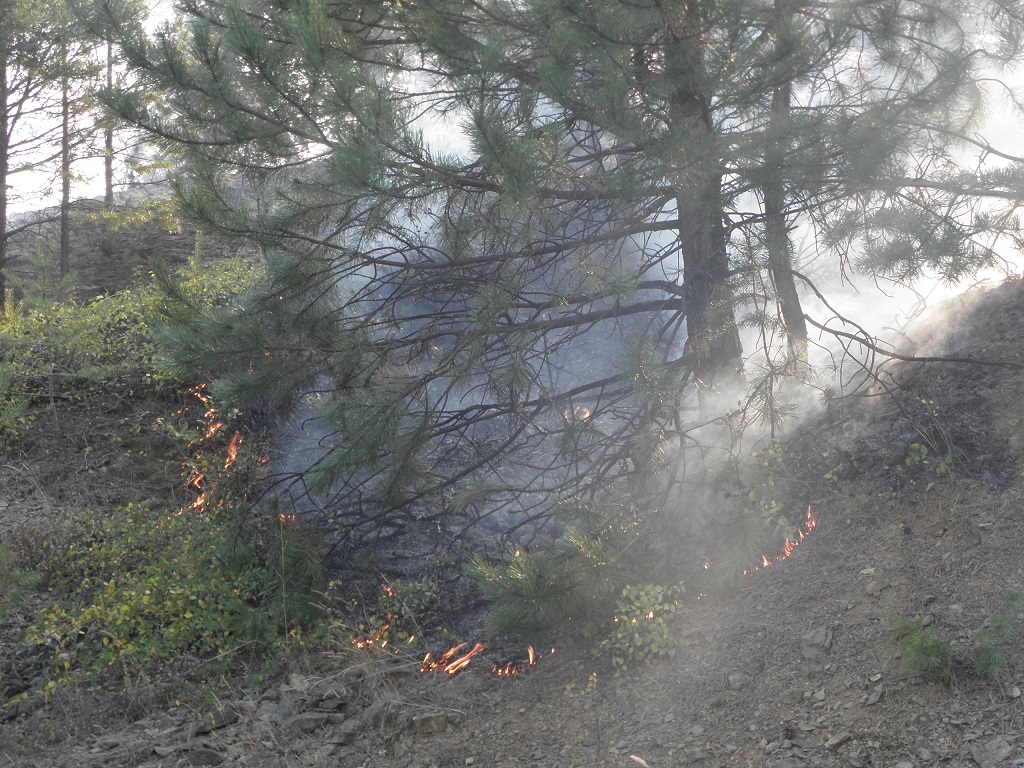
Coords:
457,659
803,531
212,425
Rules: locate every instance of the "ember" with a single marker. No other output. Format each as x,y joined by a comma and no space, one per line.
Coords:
378,641
514,668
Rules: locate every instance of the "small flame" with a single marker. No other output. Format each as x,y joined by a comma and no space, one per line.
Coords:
810,523
579,413
512,668
448,663
378,640
233,450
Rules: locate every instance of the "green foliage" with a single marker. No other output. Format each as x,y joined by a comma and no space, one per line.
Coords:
14,423
402,612
44,287
640,629
570,592
532,592
757,527
145,588
72,353
921,652
918,456
926,655
211,579
13,579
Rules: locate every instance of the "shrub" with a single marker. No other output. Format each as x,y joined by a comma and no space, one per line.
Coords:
13,579
71,352
211,580
924,654
570,592
640,629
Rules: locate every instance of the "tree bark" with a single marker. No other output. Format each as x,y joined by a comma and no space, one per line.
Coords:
108,137
780,259
4,149
65,172
712,336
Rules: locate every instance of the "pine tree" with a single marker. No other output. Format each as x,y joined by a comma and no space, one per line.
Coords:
27,140
507,242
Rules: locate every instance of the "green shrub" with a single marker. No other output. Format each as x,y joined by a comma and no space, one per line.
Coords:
73,352
531,593
13,579
211,580
921,653
570,592
640,629
925,655
14,422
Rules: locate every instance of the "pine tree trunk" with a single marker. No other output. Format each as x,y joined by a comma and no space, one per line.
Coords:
108,137
4,120
65,176
712,336
780,261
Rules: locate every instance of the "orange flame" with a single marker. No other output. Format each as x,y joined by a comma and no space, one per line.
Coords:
579,413
810,523
233,450
513,668
376,641
448,663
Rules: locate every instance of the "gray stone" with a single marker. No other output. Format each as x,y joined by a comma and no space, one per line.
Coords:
738,680
875,587
838,740
346,733
226,714
106,743
434,722
203,756
382,713
816,644
992,753
306,722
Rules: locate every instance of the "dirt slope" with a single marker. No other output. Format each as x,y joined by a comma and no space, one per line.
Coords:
792,670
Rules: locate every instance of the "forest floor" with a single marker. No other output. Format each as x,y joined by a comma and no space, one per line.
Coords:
795,668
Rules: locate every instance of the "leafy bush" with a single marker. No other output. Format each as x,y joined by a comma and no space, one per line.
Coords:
72,352
403,612
571,592
640,628
13,421
211,579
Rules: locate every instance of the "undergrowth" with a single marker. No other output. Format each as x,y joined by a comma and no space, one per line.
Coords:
14,580
924,654
65,353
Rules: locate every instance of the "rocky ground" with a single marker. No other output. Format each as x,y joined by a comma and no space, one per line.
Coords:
795,668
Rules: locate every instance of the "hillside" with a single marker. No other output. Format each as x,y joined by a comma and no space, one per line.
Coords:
795,668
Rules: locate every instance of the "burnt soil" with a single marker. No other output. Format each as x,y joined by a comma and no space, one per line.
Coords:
793,668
